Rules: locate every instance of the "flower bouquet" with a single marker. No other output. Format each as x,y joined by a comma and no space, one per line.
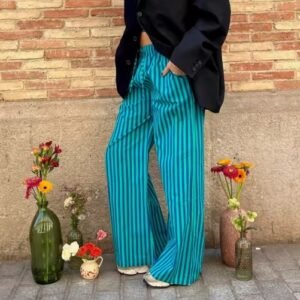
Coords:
90,255
75,204
45,231
232,177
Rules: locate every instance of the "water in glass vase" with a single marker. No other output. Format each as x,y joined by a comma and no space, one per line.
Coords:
243,258
46,246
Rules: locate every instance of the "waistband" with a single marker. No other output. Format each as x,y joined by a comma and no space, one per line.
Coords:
147,49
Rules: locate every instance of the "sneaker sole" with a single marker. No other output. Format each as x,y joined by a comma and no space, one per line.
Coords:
155,286
131,274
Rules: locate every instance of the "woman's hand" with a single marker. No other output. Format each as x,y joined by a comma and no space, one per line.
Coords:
173,68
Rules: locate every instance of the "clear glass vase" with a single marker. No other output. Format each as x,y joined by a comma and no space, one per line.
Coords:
75,235
46,246
243,258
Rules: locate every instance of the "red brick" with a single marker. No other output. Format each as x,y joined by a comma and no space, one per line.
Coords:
40,24
285,6
273,75
87,3
42,44
272,16
76,53
117,21
103,52
17,35
69,94
237,76
288,46
239,18
57,84
107,12
92,63
241,27
273,36
7,5
23,75
238,37
106,92
250,66
66,13
11,65
287,85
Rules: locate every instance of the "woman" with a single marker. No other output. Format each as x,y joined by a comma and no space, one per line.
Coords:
169,70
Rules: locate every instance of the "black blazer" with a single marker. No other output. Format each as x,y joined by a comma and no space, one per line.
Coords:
190,33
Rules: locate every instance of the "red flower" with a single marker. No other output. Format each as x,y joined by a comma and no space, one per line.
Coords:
31,183
230,171
217,169
96,252
54,163
57,149
82,251
45,159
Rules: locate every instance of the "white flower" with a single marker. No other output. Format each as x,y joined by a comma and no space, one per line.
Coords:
74,211
74,247
81,217
69,201
66,253
69,250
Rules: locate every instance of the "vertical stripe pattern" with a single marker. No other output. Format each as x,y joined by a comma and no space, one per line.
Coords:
158,110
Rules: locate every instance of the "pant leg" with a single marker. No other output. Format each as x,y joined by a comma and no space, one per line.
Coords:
138,227
178,124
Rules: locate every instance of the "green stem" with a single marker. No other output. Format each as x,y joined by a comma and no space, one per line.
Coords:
223,186
227,186
230,188
239,191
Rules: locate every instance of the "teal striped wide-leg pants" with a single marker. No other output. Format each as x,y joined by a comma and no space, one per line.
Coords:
159,110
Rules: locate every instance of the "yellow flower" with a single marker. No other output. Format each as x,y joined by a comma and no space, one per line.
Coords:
45,186
35,151
224,162
241,176
237,166
246,164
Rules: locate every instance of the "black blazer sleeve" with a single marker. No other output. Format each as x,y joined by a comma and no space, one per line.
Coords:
204,37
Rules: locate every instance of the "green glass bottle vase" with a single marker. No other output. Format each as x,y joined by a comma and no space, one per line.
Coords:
46,246
243,258
75,235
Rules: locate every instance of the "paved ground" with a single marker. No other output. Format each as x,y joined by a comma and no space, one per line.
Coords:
276,268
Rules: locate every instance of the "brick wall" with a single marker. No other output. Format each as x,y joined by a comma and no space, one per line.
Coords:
59,49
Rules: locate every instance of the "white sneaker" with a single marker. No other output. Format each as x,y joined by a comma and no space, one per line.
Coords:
133,270
150,280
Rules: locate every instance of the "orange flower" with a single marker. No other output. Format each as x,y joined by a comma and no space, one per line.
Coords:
241,177
224,162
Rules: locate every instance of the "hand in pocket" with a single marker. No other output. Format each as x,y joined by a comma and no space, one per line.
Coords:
173,68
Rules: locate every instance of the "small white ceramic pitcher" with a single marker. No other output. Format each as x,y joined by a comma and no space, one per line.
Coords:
90,268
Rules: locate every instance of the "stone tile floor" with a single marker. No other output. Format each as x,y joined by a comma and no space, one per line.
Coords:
276,276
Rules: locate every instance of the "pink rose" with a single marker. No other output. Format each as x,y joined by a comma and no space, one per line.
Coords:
101,234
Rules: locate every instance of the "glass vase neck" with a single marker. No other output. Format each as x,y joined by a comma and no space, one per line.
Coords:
42,204
74,222
243,234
